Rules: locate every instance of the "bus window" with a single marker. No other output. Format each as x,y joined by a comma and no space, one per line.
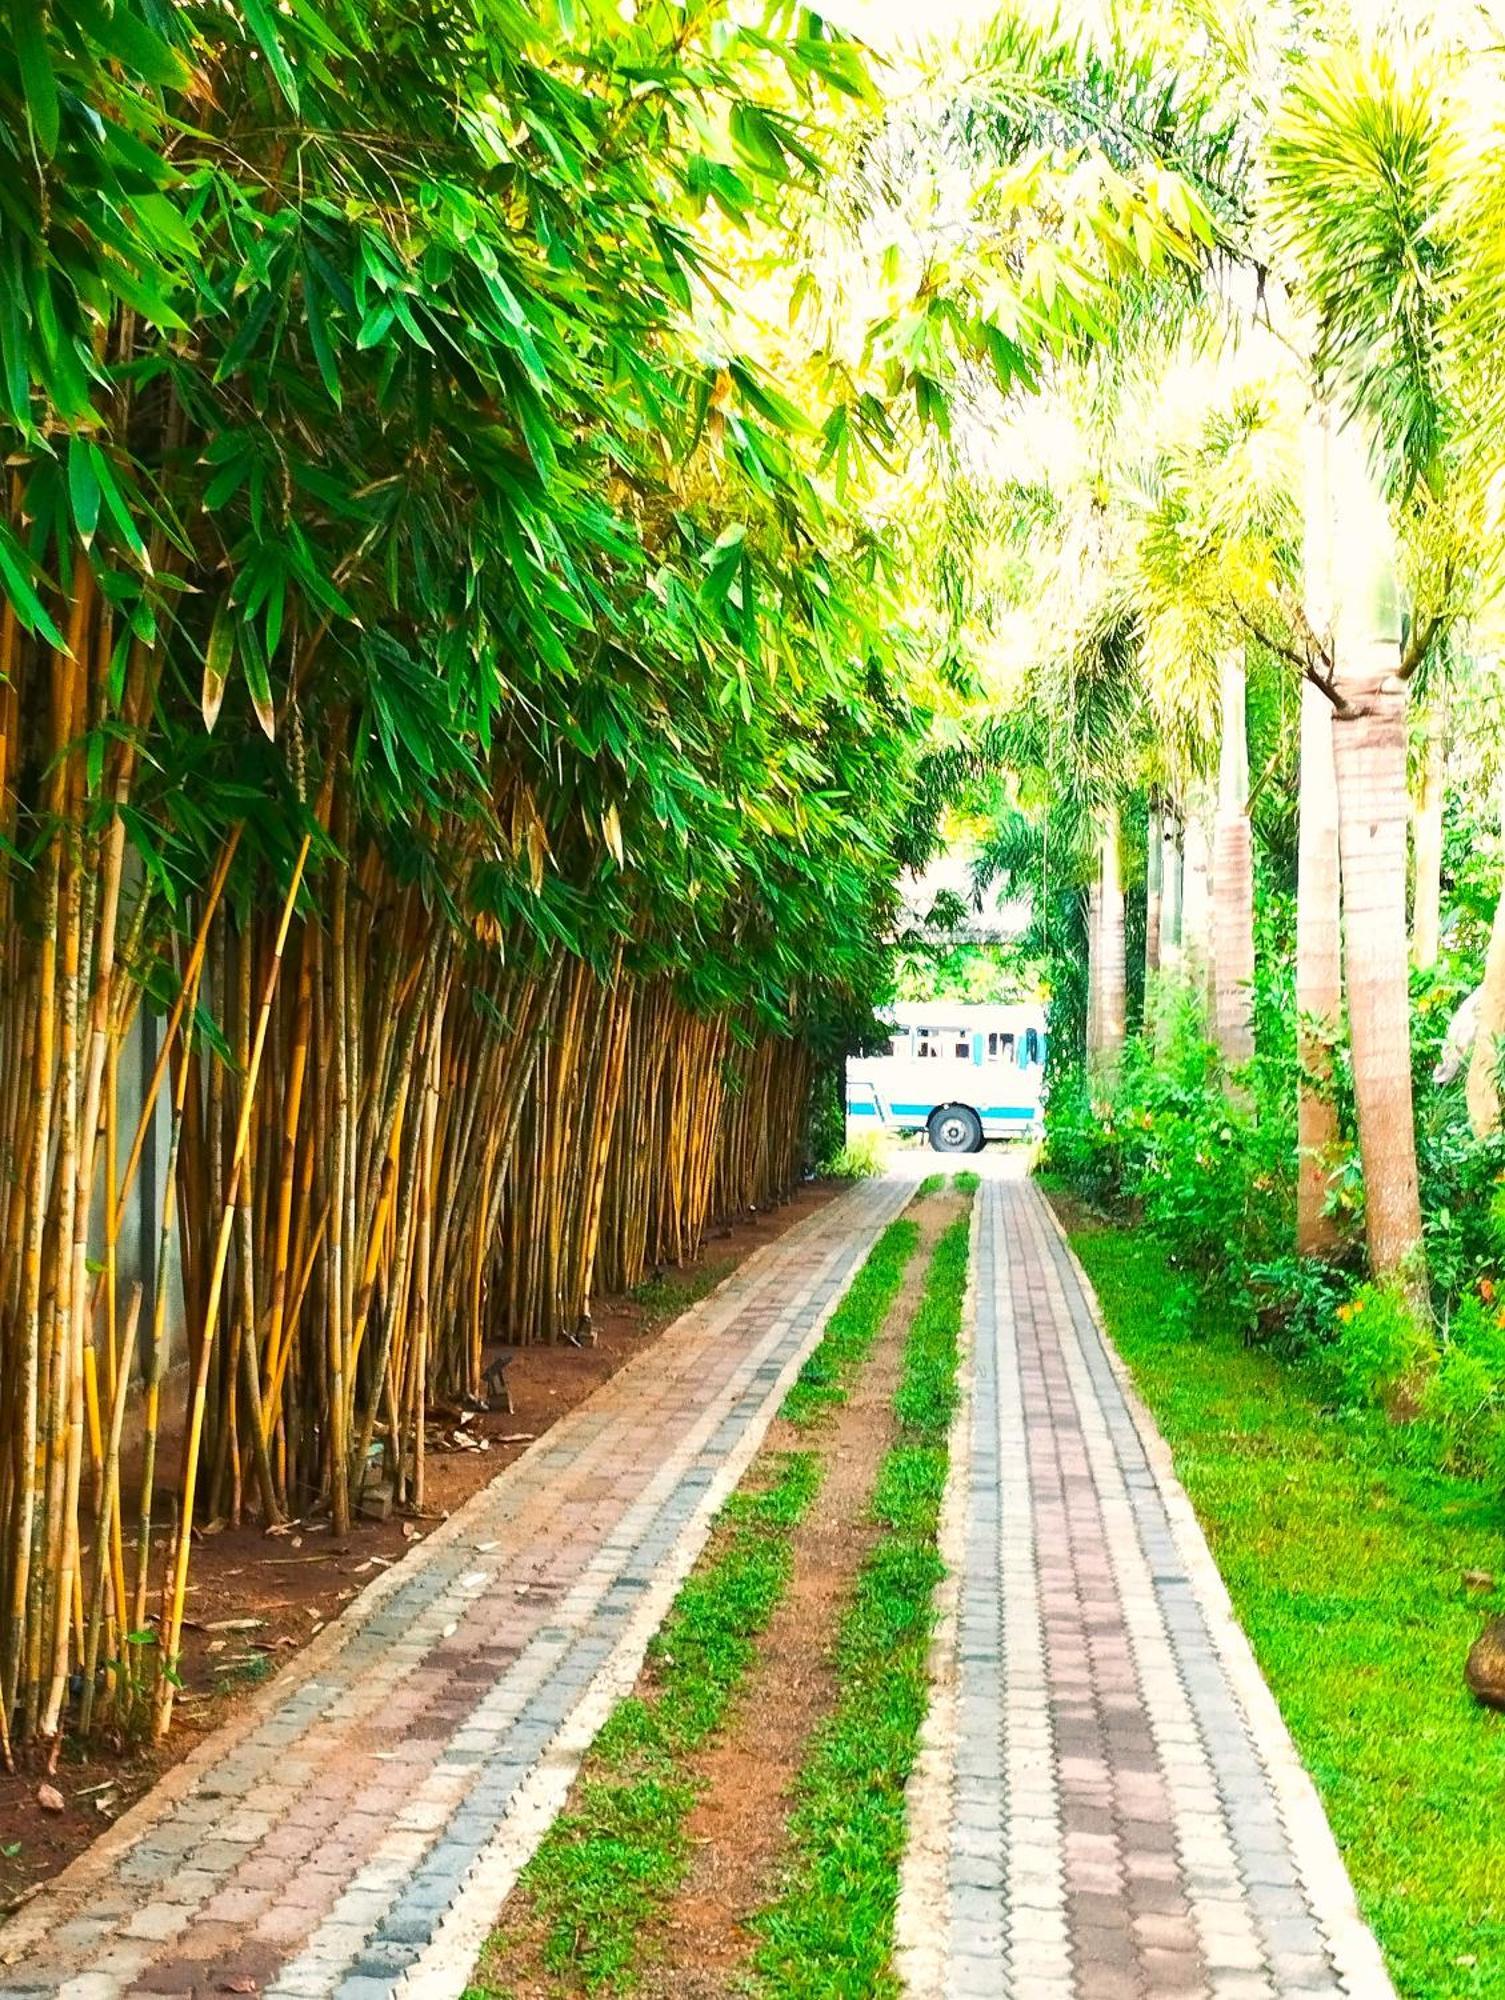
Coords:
1000,1047
899,1046
940,1042
1031,1047
962,1047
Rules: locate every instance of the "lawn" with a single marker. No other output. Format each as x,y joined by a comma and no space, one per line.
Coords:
1346,1557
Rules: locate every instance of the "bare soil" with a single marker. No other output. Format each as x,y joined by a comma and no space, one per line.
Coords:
289,1583
747,1774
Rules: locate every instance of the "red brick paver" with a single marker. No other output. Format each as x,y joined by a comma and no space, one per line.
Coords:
1108,1806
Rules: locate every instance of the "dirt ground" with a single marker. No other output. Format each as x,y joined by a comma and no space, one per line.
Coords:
254,1598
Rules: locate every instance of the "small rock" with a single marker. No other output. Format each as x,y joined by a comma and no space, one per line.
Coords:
376,1503
50,1799
1479,1579
1485,1671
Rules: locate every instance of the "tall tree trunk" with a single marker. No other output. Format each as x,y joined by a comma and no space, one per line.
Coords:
1233,877
1170,894
1319,972
1369,756
1426,835
1154,891
1095,970
1369,750
1196,894
1112,980
1483,1088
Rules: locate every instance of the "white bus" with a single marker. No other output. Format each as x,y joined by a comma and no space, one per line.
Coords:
962,1073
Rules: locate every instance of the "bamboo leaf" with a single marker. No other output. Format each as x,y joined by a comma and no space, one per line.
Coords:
262,22
83,489
611,833
38,82
15,567
258,681
217,658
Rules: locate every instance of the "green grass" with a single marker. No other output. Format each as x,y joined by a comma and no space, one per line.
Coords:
851,1330
1345,1555
830,1932
966,1182
605,1869
666,1297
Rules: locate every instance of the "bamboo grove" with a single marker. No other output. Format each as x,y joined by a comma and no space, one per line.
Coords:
443,721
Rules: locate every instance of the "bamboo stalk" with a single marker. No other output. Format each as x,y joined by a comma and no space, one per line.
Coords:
173,1596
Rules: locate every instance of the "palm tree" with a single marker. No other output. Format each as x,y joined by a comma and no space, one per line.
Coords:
1233,874
1319,974
1426,829
1359,171
1111,970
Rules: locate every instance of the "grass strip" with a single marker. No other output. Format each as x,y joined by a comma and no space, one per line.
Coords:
1346,1555
830,1933
822,1383
606,1868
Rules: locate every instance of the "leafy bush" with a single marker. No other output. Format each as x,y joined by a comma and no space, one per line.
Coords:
1209,1167
1465,1397
1208,1162
1384,1353
858,1159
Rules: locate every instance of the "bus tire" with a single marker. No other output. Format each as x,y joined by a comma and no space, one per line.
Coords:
955,1128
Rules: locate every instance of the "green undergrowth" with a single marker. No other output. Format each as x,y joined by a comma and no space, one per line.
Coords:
830,1932
610,1864
1348,1555
667,1296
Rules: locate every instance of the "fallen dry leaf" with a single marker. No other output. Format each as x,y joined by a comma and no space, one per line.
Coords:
50,1799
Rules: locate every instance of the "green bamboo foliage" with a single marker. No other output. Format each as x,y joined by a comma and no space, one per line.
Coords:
448,692
429,687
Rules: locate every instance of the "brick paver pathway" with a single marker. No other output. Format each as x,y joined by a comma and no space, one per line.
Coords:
354,1832
1108,1806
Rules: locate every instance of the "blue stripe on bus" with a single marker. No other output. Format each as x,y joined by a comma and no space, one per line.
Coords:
992,1111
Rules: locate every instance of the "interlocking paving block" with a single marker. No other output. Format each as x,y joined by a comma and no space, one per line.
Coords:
354,1830
1101,1732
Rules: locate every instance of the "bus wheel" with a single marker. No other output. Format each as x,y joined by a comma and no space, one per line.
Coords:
955,1129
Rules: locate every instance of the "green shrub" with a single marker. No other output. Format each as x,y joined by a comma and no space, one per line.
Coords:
859,1159
1383,1351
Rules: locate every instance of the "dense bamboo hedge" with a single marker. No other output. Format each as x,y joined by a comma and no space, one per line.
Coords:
443,693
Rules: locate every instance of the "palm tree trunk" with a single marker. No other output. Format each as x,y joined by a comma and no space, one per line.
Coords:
1426,836
1094,971
1154,891
1483,1088
1369,749
1233,877
1319,972
1112,980
1170,893
1196,894
1351,576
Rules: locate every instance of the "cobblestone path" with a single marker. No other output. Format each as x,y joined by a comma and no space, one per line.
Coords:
354,1831
1108,1806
